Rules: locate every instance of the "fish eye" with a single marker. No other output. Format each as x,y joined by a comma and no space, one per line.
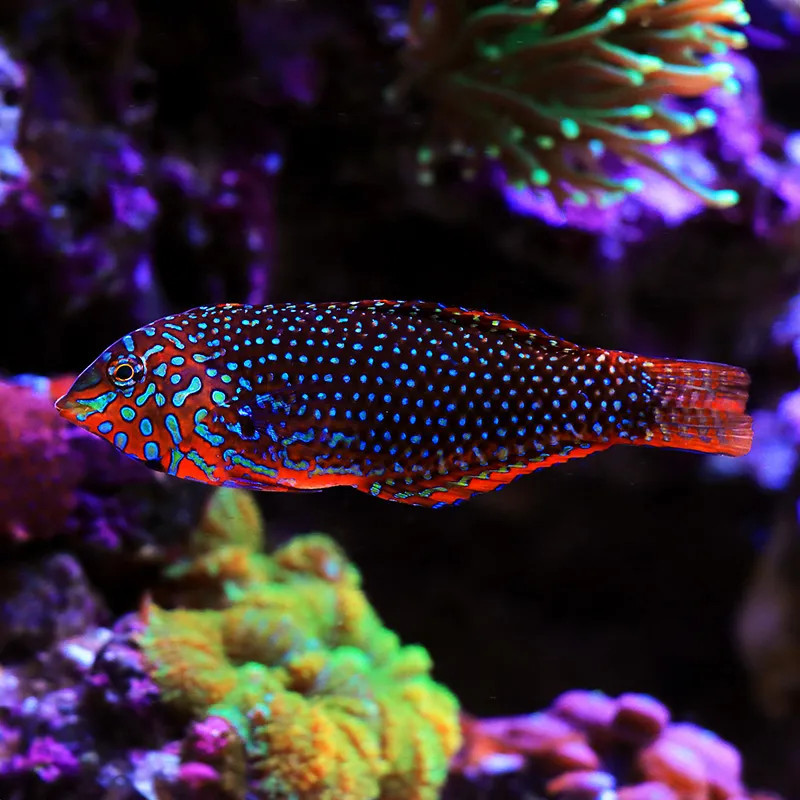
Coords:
125,370
123,373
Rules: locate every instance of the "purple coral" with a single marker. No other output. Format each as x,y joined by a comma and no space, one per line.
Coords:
776,443
45,602
82,719
13,171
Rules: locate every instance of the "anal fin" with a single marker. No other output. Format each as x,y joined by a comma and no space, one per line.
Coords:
454,488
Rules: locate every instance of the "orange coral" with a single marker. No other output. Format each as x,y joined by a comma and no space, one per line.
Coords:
318,751
223,550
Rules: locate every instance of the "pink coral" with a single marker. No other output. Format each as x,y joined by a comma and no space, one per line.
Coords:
588,743
38,476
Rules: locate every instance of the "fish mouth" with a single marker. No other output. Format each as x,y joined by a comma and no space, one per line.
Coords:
64,403
88,379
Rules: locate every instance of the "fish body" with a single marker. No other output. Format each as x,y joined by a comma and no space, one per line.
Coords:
408,401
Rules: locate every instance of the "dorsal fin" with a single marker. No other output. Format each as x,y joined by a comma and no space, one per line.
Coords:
467,317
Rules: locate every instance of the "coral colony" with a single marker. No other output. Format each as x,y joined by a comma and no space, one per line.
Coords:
326,701
590,745
186,640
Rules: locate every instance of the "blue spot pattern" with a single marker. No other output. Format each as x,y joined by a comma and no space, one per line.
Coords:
415,402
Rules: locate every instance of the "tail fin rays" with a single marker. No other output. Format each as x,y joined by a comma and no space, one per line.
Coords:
701,406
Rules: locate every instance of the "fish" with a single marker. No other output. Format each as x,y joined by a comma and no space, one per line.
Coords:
415,402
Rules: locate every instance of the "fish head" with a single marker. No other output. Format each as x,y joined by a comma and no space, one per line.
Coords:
133,394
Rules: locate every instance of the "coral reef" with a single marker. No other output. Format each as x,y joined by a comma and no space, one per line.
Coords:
327,701
156,156
560,92
589,745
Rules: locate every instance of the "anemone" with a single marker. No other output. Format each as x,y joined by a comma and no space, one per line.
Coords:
569,94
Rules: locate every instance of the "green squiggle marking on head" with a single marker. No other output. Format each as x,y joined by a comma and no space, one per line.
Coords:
146,394
236,458
338,436
175,458
202,357
299,436
156,348
173,426
95,405
201,429
177,342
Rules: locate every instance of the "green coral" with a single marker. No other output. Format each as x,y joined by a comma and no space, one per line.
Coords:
550,87
224,548
327,700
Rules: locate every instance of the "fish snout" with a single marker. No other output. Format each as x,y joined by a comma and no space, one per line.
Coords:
65,403
88,379
68,407
71,401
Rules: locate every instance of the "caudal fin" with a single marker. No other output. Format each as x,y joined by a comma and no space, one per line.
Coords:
700,406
